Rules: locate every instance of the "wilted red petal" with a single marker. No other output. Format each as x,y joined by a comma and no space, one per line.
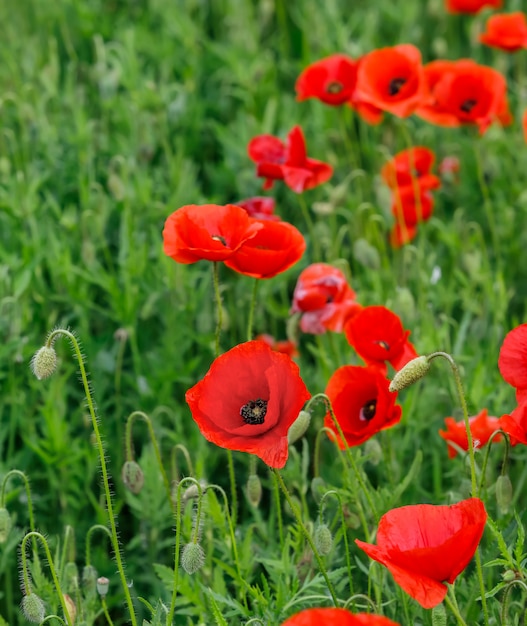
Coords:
424,546
361,402
248,373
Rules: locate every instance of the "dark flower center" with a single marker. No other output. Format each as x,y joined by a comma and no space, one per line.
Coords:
220,239
254,411
468,105
395,86
334,87
368,410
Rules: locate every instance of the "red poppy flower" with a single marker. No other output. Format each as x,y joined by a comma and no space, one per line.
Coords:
424,546
377,334
512,361
207,231
400,234
361,402
506,31
260,207
409,167
464,92
285,346
411,206
481,426
471,6
336,617
275,248
331,80
515,424
288,162
391,79
248,400
324,298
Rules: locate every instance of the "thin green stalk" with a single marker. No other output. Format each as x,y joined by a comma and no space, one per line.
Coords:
252,307
306,534
25,480
129,448
487,453
48,618
276,490
219,308
452,605
89,534
232,480
316,253
102,459
25,572
505,600
173,462
487,204
105,611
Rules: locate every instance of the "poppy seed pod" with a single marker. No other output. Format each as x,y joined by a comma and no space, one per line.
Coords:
33,608
133,477
254,490
103,585
5,524
414,370
44,362
192,558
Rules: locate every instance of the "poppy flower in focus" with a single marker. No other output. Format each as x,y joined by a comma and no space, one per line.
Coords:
471,6
276,160
330,80
324,298
248,400
507,31
285,346
207,231
378,336
515,424
512,361
410,166
424,546
336,617
481,427
260,207
361,402
391,79
275,248
464,92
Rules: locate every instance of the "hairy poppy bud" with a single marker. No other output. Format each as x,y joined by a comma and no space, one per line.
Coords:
439,615
299,427
70,607
5,524
33,608
254,490
44,362
503,493
89,577
410,373
509,575
71,576
133,477
192,557
323,539
103,585
373,451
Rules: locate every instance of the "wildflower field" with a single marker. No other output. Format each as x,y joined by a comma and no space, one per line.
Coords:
263,277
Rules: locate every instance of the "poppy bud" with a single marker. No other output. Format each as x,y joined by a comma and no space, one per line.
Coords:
70,607
410,373
439,615
71,576
509,575
503,493
102,586
33,608
323,539
192,557
89,577
366,254
133,477
5,524
318,487
254,490
299,427
373,451
44,362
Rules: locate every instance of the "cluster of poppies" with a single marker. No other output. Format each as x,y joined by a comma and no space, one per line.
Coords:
408,175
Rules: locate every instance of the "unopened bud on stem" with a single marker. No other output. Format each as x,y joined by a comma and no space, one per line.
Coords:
410,373
44,362
33,608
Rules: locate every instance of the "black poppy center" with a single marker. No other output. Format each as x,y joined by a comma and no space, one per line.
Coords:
395,86
468,105
254,411
368,410
219,238
334,87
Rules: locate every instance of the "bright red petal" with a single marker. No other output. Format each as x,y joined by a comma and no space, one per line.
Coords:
512,361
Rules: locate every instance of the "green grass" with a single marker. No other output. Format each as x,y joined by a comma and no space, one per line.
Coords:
113,115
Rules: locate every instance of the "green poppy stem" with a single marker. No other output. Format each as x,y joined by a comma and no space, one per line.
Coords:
252,308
